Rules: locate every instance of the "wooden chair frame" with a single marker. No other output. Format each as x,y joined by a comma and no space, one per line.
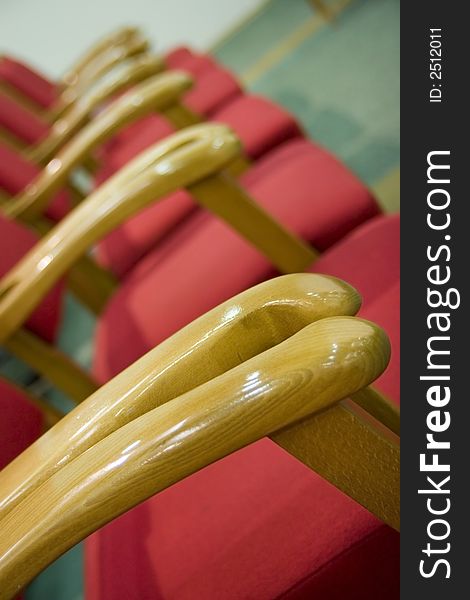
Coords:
154,424
192,158
99,59
185,159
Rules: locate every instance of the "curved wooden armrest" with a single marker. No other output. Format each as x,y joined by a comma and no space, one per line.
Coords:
230,334
116,38
182,160
154,94
78,115
309,372
104,64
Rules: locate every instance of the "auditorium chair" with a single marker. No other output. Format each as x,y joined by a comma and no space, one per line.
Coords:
260,124
214,87
38,93
37,140
315,173
308,511
322,222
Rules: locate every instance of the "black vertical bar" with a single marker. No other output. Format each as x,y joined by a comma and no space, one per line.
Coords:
429,126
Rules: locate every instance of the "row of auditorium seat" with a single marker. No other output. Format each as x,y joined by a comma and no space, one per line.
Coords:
257,524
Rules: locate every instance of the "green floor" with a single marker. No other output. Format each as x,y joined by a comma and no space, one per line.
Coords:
341,79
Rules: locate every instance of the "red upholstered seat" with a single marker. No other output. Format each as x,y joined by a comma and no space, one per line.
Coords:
183,57
369,259
257,524
261,124
17,172
15,242
44,92
300,184
213,88
20,122
21,422
28,81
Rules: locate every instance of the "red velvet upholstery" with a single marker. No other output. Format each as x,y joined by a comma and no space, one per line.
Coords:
325,203
16,240
28,81
16,173
20,122
257,524
21,422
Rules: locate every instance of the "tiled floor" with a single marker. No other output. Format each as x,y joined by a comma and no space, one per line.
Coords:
341,79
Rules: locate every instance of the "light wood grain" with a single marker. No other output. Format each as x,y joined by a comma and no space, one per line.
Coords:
115,38
182,160
309,372
237,330
134,71
157,92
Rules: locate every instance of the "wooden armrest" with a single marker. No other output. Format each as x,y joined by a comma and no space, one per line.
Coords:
117,38
307,373
154,94
78,115
104,64
182,160
230,334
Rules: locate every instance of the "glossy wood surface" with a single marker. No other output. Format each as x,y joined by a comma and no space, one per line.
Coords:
106,55
182,160
135,71
157,92
309,372
115,38
235,331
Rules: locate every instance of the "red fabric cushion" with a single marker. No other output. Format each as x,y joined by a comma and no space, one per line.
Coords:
190,61
261,503
257,524
16,241
122,249
28,81
17,172
175,57
22,123
21,422
213,86
260,123
131,141
212,90
369,259
265,126
300,184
